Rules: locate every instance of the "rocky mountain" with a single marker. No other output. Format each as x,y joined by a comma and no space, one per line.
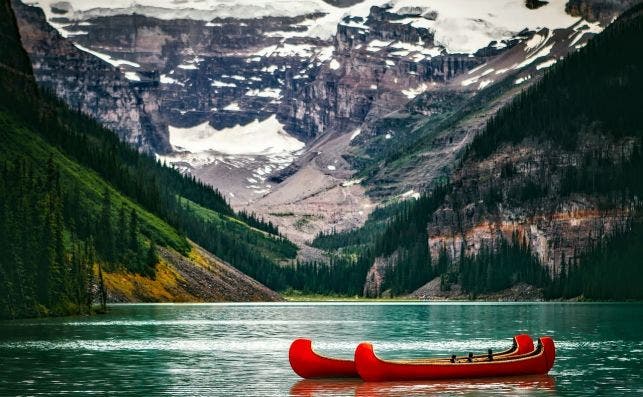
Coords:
88,83
554,166
549,183
300,111
394,107
598,10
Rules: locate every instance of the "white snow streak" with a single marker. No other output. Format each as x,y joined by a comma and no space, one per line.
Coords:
107,58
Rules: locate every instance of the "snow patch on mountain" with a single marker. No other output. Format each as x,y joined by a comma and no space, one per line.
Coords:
265,137
132,76
252,152
410,194
265,93
460,26
165,79
217,83
413,92
232,107
541,53
546,64
464,26
356,133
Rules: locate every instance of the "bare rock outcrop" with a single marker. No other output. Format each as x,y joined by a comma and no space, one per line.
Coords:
378,65
91,85
517,193
603,11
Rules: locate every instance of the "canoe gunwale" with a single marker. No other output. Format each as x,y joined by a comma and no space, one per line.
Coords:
538,351
496,356
321,356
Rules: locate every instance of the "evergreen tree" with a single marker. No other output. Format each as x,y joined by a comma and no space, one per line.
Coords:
152,259
105,230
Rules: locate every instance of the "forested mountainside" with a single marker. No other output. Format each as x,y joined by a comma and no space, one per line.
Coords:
547,194
77,204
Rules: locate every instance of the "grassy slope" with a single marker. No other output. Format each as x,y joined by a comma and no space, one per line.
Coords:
19,141
169,284
264,241
36,128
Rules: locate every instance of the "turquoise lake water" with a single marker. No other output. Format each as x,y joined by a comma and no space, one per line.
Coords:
242,349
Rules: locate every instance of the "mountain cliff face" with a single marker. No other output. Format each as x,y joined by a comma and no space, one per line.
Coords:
317,109
156,71
598,10
89,84
396,104
378,64
175,82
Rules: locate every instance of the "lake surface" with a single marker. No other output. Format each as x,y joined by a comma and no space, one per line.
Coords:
242,349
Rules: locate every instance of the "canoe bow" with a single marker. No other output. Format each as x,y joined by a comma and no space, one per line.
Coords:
308,364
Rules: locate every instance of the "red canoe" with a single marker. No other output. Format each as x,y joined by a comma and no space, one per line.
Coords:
373,369
308,364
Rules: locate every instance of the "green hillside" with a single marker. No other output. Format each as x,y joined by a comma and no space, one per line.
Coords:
72,196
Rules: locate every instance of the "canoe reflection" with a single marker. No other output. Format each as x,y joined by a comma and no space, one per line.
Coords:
325,387
354,387
496,386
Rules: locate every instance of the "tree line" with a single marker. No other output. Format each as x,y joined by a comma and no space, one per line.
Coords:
40,272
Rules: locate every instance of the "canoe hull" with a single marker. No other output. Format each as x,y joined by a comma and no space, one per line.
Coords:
308,364
373,369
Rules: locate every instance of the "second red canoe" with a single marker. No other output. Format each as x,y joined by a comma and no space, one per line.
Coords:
374,369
